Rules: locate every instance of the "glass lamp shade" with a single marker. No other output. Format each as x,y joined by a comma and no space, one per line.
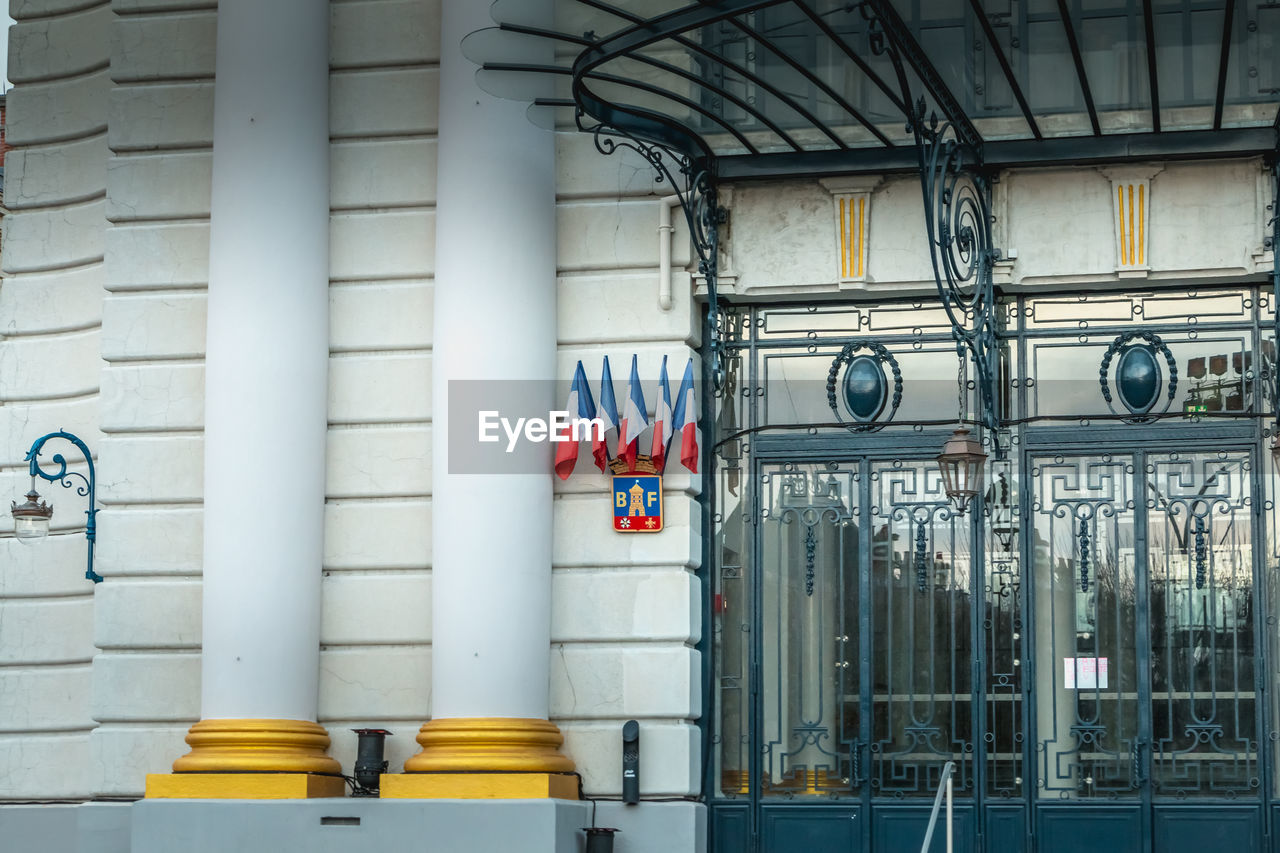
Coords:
31,519
961,462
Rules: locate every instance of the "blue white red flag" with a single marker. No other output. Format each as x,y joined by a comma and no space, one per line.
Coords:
685,420
662,421
579,407
608,413
634,420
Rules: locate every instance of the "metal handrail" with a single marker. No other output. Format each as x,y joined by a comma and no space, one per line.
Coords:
944,787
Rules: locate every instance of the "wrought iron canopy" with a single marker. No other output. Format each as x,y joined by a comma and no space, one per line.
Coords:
791,87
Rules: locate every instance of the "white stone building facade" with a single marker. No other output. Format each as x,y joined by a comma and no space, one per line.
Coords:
129,319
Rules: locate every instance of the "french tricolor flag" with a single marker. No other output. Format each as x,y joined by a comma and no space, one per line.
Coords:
608,413
685,420
579,407
634,420
662,421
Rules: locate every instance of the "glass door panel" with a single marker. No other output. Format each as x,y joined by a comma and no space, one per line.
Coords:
1204,707
921,633
1002,634
1087,672
809,558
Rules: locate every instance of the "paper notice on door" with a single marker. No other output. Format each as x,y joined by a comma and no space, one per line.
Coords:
1084,673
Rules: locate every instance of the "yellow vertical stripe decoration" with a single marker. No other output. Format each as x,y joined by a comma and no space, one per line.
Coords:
1124,257
1142,223
862,230
1131,229
844,244
849,246
849,240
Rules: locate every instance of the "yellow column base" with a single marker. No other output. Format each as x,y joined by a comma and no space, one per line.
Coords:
253,760
479,786
510,758
257,746
243,786
489,744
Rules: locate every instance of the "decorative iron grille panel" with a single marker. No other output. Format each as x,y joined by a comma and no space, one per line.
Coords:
1200,576
1088,743
809,599
1002,631
732,593
1096,641
921,611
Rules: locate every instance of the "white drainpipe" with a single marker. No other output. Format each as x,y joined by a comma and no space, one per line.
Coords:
665,230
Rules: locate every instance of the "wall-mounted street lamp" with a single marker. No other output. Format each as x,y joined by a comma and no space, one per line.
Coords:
31,519
961,461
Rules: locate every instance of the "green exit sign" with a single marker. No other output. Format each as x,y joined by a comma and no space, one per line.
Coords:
1195,408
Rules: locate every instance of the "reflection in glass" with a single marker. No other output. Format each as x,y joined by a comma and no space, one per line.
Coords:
921,692
809,597
1200,577
1002,634
731,606
1085,603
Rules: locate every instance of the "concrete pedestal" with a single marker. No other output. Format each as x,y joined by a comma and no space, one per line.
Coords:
370,826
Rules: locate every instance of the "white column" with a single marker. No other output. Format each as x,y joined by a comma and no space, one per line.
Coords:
494,318
266,385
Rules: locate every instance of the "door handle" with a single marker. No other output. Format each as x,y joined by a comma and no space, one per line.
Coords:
1138,777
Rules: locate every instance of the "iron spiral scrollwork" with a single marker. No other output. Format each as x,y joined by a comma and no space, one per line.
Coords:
957,218
85,485
957,205
693,183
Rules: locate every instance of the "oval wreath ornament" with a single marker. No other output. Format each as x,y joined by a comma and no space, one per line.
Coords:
1138,376
865,387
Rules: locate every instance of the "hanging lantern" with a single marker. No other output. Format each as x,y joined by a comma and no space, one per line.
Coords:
31,519
962,462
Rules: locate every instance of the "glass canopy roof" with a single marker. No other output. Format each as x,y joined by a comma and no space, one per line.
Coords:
773,87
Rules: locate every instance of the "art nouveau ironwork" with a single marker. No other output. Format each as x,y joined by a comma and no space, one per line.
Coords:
957,205
864,390
1090,637
788,87
85,485
692,183
1138,375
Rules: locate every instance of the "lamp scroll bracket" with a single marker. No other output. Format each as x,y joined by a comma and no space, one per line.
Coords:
85,486
693,182
957,193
